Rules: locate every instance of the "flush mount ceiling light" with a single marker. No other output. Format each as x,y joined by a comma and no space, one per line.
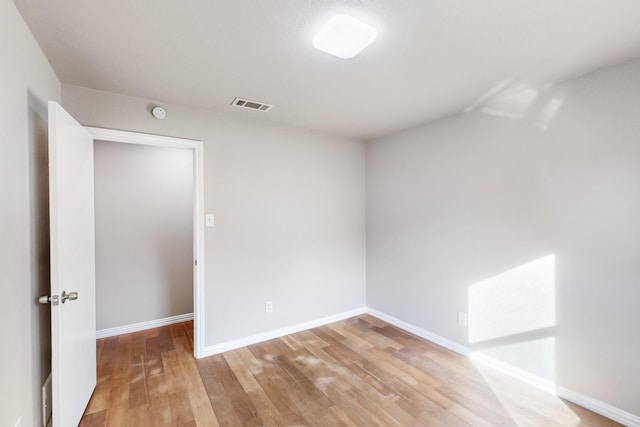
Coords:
344,36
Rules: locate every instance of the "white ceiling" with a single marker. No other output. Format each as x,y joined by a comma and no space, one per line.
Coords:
432,57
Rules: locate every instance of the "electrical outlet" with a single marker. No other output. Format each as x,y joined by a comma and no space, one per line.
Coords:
268,306
462,318
210,220
18,423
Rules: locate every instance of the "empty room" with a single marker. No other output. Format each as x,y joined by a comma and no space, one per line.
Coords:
320,213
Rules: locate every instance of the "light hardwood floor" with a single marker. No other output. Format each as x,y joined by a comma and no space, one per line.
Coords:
360,371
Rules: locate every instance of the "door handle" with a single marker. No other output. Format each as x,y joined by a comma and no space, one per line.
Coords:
46,299
71,296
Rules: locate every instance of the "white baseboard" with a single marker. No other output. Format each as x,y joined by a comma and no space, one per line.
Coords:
277,333
126,329
422,333
623,417
515,372
544,384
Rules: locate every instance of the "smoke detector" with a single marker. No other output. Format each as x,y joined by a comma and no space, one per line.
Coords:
251,105
159,112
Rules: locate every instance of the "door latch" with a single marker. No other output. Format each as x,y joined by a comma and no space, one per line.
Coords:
46,299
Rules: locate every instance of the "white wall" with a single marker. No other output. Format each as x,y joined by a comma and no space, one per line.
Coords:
27,83
289,206
144,233
550,172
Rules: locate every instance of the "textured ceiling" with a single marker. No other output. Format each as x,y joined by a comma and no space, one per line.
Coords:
431,58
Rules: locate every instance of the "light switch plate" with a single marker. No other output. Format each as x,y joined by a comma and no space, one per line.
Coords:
462,318
209,220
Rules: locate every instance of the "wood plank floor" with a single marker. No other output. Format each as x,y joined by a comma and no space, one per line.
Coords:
360,372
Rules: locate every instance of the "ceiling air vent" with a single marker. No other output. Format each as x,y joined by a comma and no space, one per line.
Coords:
251,105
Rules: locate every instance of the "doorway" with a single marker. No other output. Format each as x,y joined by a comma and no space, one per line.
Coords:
101,135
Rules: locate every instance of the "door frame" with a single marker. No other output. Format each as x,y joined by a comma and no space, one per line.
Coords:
111,135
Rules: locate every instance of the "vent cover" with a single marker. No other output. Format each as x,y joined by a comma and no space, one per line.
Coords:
251,105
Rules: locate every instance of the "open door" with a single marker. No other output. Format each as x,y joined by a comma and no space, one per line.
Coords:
73,305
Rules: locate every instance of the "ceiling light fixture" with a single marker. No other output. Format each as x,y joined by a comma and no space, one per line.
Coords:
344,36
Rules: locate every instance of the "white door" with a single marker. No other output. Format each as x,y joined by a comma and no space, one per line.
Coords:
73,315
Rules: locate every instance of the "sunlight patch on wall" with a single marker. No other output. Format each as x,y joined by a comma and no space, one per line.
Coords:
549,113
514,302
513,104
536,357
